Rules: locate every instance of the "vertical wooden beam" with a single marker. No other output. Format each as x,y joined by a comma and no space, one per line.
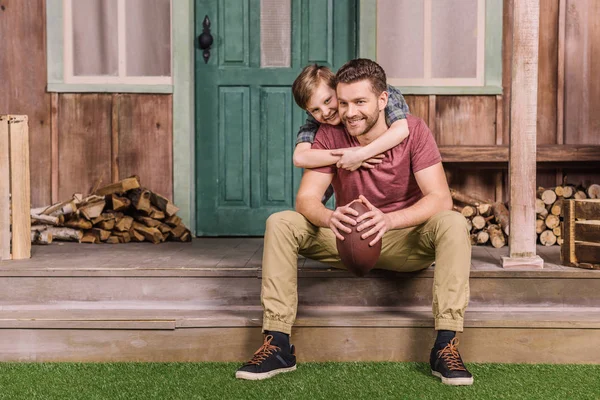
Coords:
54,141
499,117
499,178
20,188
4,189
499,182
114,135
560,87
567,250
507,49
431,118
560,98
523,120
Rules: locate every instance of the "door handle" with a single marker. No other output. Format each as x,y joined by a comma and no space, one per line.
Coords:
205,40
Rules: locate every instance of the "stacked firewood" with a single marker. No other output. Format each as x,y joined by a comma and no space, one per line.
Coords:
487,220
548,208
118,213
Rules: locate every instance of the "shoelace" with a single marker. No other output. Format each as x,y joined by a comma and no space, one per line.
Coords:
451,356
264,351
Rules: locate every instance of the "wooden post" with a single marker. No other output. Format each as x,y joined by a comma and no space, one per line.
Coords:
114,147
14,148
54,141
523,131
499,179
431,119
4,190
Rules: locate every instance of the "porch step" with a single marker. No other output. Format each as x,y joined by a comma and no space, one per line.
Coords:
201,302
317,285
143,332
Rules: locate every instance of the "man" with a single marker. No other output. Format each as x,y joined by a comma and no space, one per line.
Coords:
410,210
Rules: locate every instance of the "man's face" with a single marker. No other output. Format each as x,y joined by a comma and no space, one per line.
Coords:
323,105
358,106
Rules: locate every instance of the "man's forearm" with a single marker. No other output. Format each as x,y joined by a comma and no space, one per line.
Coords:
314,211
421,211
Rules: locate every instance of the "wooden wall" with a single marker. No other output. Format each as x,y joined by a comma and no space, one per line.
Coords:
582,82
76,139
23,85
465,121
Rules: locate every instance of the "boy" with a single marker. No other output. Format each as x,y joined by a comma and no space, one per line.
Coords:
314,91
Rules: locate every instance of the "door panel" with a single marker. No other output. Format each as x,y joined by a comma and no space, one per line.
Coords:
246,118
276,118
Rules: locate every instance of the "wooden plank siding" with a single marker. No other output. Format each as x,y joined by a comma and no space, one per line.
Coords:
83,142
465,120
89,143
419,106
23,80
146,140
582,86
547,73
547,122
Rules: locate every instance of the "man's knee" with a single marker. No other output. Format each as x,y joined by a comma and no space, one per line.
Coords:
282,220
451,222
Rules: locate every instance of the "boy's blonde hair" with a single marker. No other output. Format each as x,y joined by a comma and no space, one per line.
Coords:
308,81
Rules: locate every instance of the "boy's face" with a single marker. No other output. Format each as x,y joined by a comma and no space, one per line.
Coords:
359,107
323,105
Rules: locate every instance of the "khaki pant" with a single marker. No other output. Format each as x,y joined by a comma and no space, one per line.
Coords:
444,238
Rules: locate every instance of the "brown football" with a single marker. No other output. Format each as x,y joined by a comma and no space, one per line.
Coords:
355,252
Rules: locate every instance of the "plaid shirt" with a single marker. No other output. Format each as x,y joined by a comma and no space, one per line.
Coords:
395,110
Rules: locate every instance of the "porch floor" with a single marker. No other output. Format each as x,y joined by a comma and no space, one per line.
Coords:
232,256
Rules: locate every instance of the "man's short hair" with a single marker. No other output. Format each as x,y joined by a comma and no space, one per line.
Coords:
307,82
363,69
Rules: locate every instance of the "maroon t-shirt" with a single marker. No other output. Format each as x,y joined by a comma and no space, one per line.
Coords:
391,185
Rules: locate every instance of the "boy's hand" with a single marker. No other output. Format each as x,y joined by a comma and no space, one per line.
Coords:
372,162
353,159
350,159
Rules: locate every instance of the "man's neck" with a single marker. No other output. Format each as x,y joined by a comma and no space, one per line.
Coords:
377,130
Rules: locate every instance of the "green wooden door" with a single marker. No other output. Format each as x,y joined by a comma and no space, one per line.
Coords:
246,118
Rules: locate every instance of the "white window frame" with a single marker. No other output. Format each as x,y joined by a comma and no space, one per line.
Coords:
61,78
488,79
427,79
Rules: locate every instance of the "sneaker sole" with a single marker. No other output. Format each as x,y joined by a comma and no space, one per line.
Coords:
265,375
453,381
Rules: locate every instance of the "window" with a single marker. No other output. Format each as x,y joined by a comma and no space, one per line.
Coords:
275,33
109,45
435,46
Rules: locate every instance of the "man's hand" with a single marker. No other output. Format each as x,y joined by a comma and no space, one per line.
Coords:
341,214
353,158
378,222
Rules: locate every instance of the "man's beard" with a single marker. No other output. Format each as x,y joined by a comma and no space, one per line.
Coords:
369,122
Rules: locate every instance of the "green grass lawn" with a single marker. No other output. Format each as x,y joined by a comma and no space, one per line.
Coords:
310,381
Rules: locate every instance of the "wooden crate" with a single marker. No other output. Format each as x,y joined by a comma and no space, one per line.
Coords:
15,194
581,233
